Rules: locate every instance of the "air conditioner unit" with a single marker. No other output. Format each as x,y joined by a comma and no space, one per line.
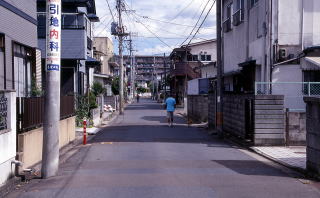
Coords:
282,54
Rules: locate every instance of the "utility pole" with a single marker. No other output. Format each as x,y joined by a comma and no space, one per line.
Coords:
121,34
132,69
165,75
154,78
50,148
219,98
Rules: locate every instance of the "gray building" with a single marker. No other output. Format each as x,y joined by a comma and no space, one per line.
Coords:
18,65
76,44
265,42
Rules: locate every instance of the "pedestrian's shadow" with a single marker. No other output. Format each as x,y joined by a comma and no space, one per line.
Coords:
163,119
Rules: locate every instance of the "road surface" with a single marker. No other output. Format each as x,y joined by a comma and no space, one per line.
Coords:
140,156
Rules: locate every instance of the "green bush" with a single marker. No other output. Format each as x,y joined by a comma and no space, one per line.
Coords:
98,89
115,86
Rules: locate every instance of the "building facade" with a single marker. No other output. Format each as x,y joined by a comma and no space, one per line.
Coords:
264,41
18,42
196,60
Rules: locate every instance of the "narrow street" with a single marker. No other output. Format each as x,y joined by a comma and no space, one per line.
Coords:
139,156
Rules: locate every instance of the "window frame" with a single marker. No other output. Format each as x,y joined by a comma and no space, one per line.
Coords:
3,50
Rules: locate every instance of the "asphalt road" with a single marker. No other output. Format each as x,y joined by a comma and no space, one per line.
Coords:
139,156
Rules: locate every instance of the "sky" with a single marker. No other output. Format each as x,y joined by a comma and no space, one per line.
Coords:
172,21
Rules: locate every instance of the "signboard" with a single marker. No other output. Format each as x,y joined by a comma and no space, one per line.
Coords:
53,44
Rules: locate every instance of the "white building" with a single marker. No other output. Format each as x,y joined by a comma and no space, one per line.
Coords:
266,41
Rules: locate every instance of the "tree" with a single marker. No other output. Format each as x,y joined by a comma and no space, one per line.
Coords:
98,89
115,86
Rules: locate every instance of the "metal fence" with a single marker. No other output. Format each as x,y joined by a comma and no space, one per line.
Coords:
3,112
293,92
30,111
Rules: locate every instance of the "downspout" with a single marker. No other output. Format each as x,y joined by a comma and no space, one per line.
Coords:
302,25
271,38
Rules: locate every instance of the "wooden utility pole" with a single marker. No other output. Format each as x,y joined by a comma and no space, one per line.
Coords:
219,89
121,34
50,148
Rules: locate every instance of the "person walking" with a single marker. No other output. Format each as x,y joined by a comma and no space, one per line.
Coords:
170,107
138,97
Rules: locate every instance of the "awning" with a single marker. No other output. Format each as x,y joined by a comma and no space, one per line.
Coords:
314,60
248,63
102,76
93,18
92,62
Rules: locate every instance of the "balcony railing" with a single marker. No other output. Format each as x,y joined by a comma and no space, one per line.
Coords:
238,17
227,25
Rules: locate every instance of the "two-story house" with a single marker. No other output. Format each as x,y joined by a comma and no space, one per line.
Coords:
271,43
193,61
18,67
78,17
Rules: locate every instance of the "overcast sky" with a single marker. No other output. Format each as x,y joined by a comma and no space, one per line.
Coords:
178,19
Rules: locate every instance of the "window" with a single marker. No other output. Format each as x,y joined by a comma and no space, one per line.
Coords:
253,3
22,64
195,58
2,55
203,57
228,19
238,15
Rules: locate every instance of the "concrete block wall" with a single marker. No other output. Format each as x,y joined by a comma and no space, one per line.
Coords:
313,134
269,127
197,108
8,140
30,143
234,120
296,132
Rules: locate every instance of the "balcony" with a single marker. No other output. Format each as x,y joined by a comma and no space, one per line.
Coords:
184,69
69,22
227,25
238,17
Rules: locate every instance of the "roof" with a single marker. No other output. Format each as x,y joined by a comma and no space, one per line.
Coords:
201,42
314,60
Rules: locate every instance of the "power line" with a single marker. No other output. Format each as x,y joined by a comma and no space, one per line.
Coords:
168,22
182,10
202,22
145,26
196,23
110,10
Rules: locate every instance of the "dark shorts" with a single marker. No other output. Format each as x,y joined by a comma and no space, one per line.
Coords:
170,115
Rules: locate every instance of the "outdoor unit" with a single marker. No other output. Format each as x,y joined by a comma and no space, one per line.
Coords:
282,54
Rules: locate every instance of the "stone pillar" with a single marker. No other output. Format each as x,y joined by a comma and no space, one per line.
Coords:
313,134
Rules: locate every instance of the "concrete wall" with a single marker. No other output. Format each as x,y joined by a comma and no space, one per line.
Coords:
8,140
30,143
293,96
313,134
296,129
197,109
234,114
104,45
208,71
210,48
269,126
16,29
